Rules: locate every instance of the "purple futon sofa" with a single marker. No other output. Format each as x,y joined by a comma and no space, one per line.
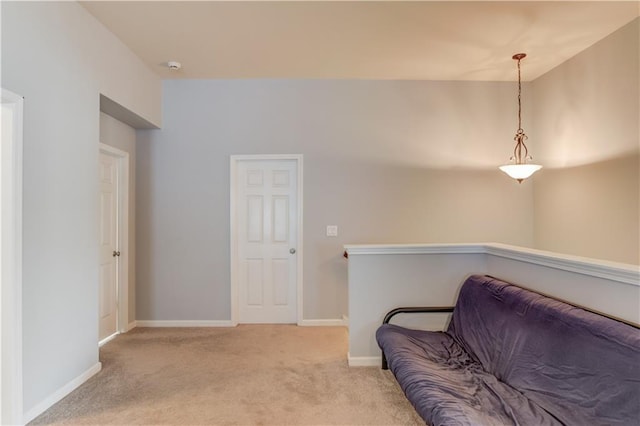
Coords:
514,357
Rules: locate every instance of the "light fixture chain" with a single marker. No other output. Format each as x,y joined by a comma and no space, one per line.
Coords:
519,99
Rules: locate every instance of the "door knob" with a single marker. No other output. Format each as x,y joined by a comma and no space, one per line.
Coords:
116,253
292,251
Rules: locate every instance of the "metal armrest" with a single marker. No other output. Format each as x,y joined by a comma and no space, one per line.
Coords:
415,310
411,310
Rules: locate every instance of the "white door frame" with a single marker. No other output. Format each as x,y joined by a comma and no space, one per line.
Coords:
122,158
234,160
11,405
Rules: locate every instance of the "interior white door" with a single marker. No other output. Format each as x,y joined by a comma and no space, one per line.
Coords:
108,290
267,234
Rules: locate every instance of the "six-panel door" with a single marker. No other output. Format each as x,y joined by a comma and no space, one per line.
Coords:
267,234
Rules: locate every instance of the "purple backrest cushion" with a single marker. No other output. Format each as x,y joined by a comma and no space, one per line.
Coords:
581,367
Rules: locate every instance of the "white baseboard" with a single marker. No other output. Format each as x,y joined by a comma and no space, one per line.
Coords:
187,323
322,323
107,339
364,361
60,393
132,325
228,323
345,320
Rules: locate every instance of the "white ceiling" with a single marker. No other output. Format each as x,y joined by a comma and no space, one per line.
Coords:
363,40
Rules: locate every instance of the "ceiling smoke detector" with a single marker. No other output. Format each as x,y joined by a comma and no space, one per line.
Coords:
174,65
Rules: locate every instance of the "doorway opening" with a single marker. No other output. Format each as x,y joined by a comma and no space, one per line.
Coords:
11,396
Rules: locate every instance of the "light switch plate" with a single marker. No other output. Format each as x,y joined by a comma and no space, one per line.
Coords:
332,230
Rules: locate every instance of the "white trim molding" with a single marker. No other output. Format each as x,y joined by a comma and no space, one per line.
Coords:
233,244
132,325
11,386
229,323
360,249
323,323
185,323
614,271
61,393
106,340
364,361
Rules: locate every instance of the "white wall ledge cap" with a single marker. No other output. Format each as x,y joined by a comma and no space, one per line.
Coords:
620,272
356,249
615,271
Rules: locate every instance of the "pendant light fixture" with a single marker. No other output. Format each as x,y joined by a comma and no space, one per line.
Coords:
520,169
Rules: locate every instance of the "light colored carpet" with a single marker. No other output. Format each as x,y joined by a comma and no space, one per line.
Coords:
248,375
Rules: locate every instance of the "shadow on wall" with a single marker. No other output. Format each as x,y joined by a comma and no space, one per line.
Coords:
591,210
376,203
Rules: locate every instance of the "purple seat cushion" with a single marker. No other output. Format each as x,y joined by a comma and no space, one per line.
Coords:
448,387
548,359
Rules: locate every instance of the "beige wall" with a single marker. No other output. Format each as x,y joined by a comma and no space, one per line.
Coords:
386,161
123,137
586,128
590,210
60,59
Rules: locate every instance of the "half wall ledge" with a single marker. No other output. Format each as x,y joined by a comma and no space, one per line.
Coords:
614,271
382,277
